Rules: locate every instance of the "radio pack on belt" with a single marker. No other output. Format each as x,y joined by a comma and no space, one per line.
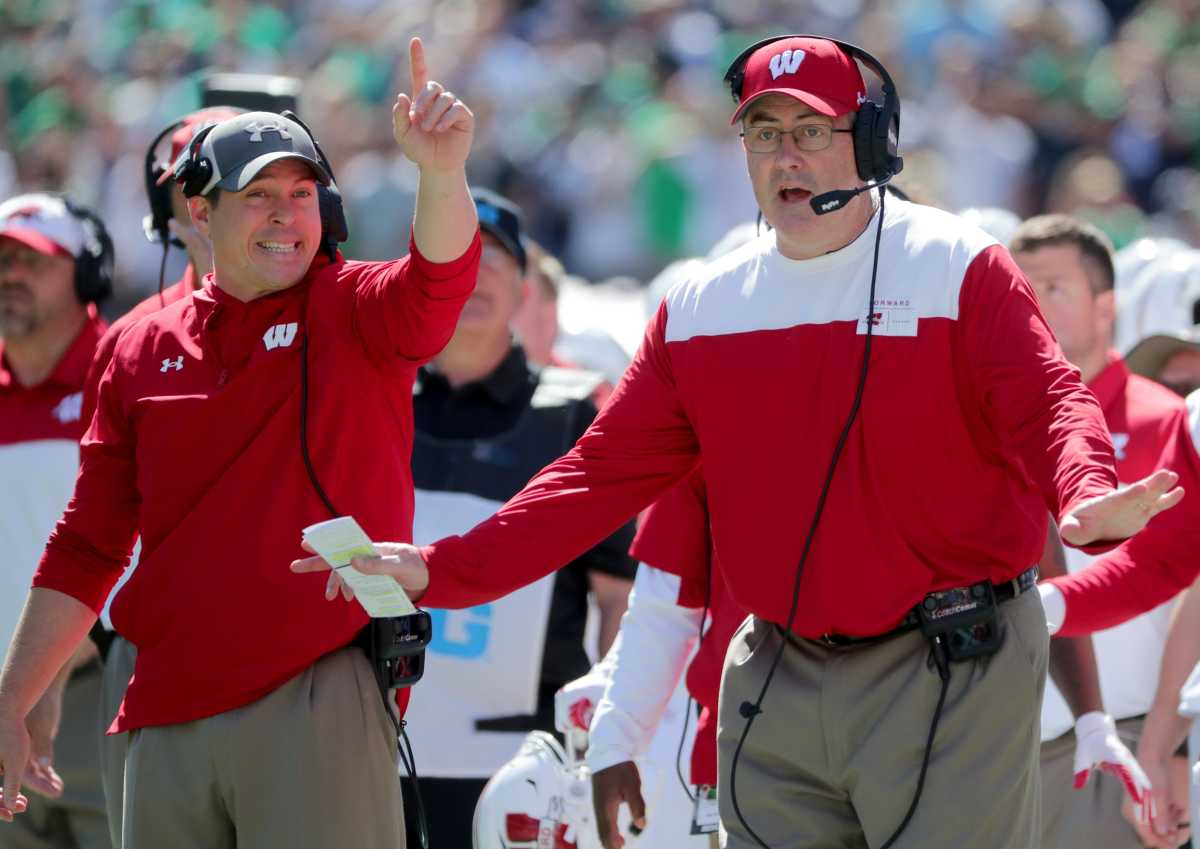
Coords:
396,647
965,617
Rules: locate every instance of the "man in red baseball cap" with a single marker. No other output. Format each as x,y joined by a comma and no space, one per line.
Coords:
884,420
830,84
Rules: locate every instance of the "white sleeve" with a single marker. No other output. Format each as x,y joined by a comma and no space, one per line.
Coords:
646,660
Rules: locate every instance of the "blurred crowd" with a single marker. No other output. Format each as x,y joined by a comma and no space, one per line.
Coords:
606,120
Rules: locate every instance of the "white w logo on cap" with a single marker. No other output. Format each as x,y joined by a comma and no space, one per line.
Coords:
786,62
259,127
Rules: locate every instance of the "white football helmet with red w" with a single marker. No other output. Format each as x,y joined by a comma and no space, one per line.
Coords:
538,800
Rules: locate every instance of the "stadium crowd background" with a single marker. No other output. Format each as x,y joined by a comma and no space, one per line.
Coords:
607,120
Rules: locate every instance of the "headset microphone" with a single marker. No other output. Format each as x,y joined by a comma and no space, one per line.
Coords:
828,202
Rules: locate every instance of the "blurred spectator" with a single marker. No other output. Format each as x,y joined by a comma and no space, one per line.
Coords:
536,319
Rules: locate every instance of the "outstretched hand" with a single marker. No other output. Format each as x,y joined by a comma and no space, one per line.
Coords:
432,126
402,562
1123,512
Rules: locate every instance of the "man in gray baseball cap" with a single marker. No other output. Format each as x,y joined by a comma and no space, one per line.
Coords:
237,149
254,718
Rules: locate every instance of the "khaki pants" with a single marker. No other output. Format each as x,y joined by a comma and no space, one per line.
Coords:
1089,818
118,669
76,821
312,765
832,761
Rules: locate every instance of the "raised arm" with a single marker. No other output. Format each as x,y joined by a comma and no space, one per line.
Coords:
434,129
409,308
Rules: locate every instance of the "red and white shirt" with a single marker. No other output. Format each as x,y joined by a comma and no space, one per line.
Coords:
972,426
1153,566
40,428
1141,417
195,445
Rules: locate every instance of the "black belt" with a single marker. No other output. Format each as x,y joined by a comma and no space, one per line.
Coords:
1006,591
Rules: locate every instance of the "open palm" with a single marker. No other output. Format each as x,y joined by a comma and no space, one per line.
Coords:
1122,513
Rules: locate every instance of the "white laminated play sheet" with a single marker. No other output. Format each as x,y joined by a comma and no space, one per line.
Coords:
340,540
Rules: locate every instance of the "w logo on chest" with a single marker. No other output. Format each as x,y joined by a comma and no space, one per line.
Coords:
280,336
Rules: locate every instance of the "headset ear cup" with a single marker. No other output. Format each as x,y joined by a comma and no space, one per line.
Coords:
864,141
194,172
196,176
159,197
94,267
333,214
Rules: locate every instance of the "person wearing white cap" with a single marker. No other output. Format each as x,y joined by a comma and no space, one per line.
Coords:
220,433
56,264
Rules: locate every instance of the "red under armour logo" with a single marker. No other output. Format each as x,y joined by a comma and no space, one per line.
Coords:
536,834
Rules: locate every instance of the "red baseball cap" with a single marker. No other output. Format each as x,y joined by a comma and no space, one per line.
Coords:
190,123
815,71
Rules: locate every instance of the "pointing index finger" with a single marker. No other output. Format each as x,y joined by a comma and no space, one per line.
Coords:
417,67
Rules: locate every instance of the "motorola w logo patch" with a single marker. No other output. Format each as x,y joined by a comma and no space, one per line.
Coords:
280,336
259,127
787,62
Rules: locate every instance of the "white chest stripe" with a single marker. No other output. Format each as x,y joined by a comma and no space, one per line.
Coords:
924,256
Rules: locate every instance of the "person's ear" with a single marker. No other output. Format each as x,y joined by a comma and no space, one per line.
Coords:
200,210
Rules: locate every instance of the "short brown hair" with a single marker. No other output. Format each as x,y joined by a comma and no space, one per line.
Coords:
1097,251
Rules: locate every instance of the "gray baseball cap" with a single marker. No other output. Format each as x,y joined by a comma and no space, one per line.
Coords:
238,148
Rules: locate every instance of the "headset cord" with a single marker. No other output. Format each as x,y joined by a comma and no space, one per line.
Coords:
751,710
308,464
162,272
404,750
942,662
402,742
687,714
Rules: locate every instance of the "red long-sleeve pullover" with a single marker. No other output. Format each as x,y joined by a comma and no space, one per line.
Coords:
971,426
196,446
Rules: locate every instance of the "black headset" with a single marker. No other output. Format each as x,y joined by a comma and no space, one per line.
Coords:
876,128
95,260
159,196
194,170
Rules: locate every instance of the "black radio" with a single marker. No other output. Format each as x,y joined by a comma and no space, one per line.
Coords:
396,647
963,620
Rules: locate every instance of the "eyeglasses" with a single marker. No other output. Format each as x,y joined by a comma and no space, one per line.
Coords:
808,137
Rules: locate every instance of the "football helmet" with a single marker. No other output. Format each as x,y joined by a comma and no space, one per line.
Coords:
540,799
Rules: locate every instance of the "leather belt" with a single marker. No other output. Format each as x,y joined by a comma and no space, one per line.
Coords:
1006,591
